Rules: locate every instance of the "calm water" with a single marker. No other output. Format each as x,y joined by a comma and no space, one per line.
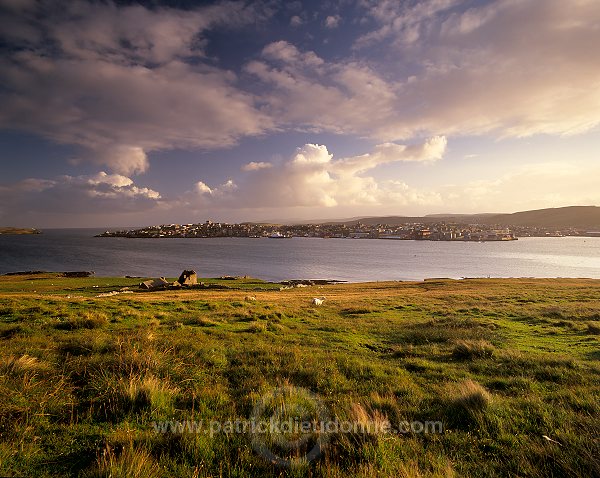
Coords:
300,258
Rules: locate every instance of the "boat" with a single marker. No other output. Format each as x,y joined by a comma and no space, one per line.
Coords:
278,235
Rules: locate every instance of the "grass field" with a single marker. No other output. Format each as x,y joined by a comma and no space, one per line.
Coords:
502,364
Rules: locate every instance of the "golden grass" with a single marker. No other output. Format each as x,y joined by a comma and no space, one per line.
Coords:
130,462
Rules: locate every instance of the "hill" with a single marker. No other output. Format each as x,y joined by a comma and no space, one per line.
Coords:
579,217
583,217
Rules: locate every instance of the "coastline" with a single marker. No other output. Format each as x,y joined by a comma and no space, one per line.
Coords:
18,231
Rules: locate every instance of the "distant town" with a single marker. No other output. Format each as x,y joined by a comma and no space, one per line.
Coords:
410,231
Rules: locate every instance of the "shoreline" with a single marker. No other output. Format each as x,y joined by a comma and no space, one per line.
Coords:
288,283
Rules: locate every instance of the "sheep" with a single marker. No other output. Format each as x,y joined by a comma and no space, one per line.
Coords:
249,298
318,301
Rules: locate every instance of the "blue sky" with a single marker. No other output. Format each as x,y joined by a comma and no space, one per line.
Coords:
127,113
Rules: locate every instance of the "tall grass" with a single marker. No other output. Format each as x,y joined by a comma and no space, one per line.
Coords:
130,462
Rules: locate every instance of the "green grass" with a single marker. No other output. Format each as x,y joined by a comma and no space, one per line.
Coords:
500,363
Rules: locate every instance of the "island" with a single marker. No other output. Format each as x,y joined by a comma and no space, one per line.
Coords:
18,231
405,231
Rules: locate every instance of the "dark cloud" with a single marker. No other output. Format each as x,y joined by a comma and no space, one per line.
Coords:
124,78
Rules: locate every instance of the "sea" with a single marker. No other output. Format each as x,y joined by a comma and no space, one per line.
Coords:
352,260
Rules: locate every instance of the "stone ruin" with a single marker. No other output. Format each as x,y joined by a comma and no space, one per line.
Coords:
187,278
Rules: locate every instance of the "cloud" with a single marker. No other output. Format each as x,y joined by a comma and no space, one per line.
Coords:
403,22
296,21
124,80
332,21
530,186
505,69
431,150
85,194
312,181
202,188
508,68
256,166
313,178
304,92
122,159
287,53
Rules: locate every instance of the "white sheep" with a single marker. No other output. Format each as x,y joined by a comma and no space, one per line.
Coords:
249,298
318,301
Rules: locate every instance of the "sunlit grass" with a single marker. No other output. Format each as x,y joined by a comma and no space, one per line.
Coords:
499,362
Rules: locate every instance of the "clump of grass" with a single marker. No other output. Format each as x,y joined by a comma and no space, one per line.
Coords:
204,322
369,420
129,463
6,455
10,331
554,313
257,327
75,347
447,329
274,327
357,310
407,351
118,396
23,364
149,392
89,320
86,343
511,385
593,328
472,349
471,397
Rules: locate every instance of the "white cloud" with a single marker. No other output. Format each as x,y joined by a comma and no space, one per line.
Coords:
431,150
41,199
287,53
122,159
296,21
312,184
202,188
332,21
313,178
510,68
256,166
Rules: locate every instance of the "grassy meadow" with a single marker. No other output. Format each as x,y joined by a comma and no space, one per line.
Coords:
510,367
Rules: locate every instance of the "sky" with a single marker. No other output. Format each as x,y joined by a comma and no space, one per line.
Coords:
116,114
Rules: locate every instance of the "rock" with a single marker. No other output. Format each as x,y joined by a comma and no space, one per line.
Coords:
155,284
114,292
187,278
